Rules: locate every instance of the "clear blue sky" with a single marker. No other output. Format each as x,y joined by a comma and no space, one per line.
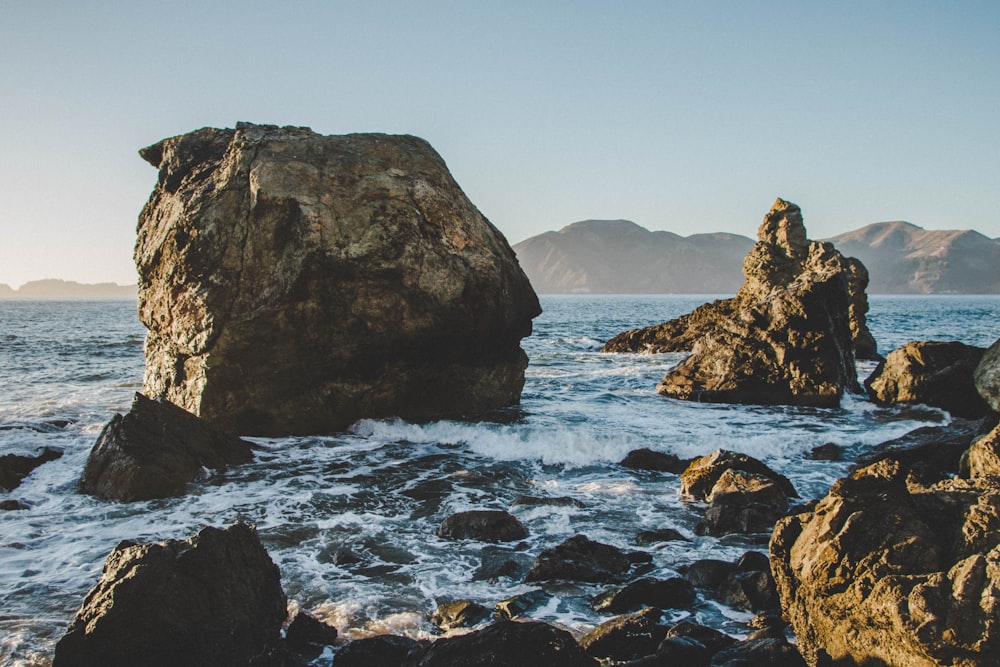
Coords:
685,116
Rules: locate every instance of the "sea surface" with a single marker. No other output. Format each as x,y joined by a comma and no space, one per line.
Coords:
381,489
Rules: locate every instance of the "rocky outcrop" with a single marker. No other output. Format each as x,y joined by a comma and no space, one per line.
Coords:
295,283
212,600
15,467
506,644
789,336
987,377
938,374
155,451
483,525
889,570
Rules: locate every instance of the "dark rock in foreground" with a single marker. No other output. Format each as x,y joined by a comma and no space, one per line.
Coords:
648,459
789,336
155,451
381,650
930,373
580,559
625,637
308,633
293,283
506,644
214,600
483,525
773,652
14,468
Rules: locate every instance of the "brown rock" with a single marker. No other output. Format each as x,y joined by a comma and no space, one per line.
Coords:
214,599
295,283
789,335
987,376
983,457
704,472
155,451
932,373
459,614
742,502
887,570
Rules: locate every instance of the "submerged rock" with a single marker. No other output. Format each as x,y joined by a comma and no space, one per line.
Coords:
506,644
931,373
212,600
789,336
483,525
155,451
14,467
294,283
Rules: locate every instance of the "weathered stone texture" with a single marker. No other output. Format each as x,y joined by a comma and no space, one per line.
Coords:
294,283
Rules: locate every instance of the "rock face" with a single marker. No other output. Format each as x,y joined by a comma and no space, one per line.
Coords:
294,283
938,374
789,336
215,599
987,377
889,570
155,451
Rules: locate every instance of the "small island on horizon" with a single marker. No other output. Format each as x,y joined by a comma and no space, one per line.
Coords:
54,288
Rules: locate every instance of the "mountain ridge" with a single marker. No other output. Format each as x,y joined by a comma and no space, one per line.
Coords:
54,288
620,257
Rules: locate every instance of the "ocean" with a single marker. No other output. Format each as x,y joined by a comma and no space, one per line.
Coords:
381,489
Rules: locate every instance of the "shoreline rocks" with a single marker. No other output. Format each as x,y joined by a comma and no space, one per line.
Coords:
789,336
15,467
155,451
293,283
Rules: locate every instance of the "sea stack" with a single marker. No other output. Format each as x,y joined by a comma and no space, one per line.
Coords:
789,336
294,283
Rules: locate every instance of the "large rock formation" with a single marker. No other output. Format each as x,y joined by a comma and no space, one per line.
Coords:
294,283
932,373
155,451
213,600
789,336
896,566
987,376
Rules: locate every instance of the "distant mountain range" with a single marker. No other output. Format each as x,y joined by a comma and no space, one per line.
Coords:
67,289
620,257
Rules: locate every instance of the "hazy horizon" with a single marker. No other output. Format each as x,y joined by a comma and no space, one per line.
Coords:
684,117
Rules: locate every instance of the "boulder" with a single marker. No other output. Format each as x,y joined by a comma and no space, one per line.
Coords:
15,467
505,644
987,376
381,650
672,593
155,451
500,562
521,604
742,502
625,637
789,336
482,525
938,374
712,639
701,476
889,570
709,573
580,559
829,451
644,538
212,600
674,652
934,451
307,634
459,614
983,457
293,283
770,651
648,459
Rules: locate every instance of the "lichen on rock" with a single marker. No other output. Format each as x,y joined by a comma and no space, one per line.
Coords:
295,283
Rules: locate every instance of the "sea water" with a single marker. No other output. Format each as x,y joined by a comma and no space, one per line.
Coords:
381,489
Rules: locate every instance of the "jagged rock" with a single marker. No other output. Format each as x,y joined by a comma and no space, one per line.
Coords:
381,650
580,559
482,525
789,336
459,614
773,652
983,457
932,373
506,644
307,633
155,451
625,637
646,537
648,459
672,593
987,376
752,590
699,478
934,451
888,570
295,283
742,502
212,600
14,467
